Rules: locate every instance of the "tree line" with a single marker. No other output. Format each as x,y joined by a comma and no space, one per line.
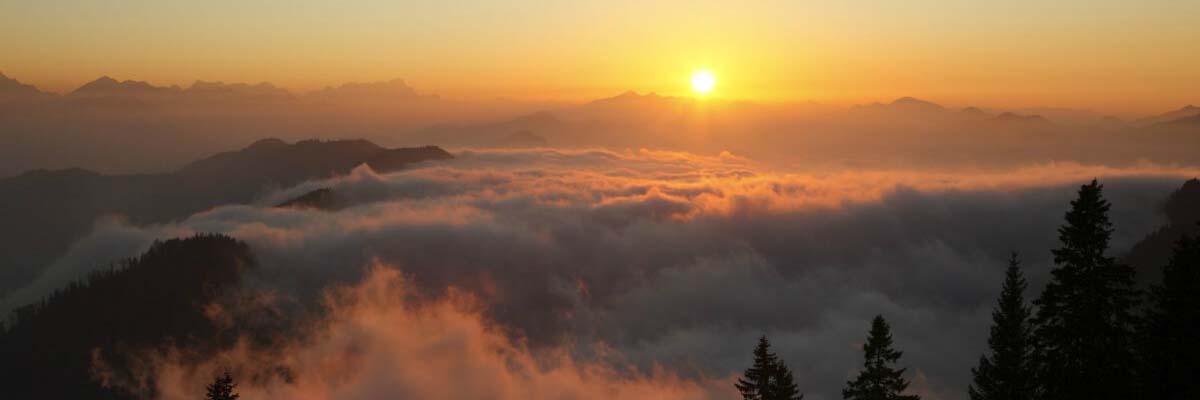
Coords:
1091,335
49,349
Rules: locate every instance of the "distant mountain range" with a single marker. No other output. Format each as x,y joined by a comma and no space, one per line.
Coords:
904,104
95,125
106,86
1187,117
9,86
398,89
47,210
1172,117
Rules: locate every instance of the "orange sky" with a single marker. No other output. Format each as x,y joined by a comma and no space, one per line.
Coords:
1107,55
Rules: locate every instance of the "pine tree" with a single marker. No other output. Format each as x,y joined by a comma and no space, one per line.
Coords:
879,379
1007,374
222,388
785,385
1170,353
1084,325
769,378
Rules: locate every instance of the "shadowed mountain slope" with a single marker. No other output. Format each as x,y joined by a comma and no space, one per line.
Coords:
48,210
321,199
9,86
52,349
1182,209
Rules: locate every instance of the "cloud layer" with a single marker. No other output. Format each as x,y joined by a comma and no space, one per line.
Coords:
377,342
669,263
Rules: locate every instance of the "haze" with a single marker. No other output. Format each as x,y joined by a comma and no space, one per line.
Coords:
1111,56
888,200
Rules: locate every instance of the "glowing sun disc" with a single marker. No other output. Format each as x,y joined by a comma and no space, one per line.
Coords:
703,81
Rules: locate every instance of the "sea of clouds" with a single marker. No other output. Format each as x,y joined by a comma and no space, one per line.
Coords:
635,274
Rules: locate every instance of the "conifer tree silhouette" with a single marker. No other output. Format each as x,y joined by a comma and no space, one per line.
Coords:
769,378
1007,373
879,378
221,388
1084,324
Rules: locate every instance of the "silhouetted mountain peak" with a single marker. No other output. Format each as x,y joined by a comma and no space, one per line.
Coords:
260,90
106,85
628,94
341,144
912,102
1176,117
903,105
632,99
974,112
267,144
273,160
59,176
1183,122
393,89
631,96
13,86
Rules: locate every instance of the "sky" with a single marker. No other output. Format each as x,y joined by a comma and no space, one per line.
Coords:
634,248
1113,56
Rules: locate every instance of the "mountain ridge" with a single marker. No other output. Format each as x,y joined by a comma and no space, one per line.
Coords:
399,88
38,229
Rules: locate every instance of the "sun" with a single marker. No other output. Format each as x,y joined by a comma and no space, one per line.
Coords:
703,81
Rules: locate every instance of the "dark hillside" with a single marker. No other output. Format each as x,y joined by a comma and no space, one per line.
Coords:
45,211
139,304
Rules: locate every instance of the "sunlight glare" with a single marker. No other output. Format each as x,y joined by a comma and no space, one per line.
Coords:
703,81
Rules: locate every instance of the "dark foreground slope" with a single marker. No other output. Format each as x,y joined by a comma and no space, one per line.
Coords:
1182,211
43,212
59,347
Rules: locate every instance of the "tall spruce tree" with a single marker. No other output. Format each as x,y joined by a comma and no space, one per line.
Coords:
1085,321
1007,374
1170,364
784,385
769,378
221,388
879,378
